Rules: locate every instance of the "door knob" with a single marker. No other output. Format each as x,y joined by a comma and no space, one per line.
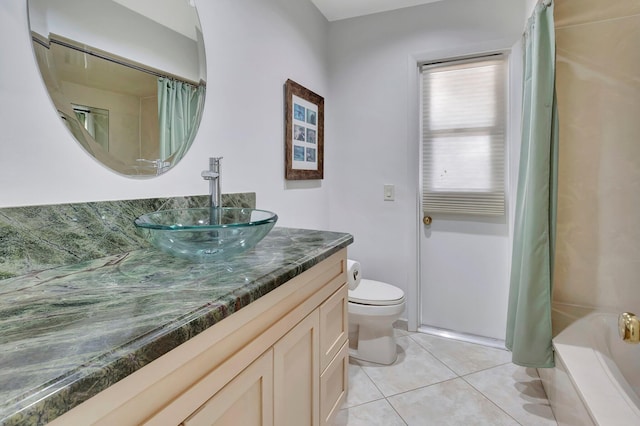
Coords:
427,220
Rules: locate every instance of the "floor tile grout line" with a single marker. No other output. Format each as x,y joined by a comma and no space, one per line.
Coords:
435,356
456,376
422,387
377,400
396,411
486,369
372,381
386,398
363,403
424,349
413,390
494,403
450,368
419,387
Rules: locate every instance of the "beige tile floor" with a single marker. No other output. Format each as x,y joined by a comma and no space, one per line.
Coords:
438,381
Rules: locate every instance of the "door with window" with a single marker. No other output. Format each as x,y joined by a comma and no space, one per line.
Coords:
464,251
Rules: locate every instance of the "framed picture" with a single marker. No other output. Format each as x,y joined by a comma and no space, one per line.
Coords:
304,134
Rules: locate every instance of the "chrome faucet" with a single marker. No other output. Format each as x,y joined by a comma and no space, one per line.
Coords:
213,176
159,165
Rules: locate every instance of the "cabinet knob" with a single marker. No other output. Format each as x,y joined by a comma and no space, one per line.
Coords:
427,220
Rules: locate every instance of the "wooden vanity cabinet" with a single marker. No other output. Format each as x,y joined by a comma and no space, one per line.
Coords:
247,400
296,375
334,354
282,360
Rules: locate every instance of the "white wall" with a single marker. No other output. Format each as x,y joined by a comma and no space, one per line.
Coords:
529,7
373,112
252,48
111,27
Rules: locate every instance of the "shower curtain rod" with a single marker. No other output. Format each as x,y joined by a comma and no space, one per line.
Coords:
109,57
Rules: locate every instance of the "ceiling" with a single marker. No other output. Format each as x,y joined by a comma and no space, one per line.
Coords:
335,10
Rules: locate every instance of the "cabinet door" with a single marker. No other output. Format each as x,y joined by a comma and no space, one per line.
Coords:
296,373
247,400
334,384
334,326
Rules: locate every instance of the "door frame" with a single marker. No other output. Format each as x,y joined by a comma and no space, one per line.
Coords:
510,49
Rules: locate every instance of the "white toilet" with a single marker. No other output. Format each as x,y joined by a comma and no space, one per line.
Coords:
373,308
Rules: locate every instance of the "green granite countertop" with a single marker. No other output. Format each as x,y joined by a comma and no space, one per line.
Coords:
70,332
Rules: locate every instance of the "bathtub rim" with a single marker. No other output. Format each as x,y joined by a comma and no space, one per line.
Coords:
602,396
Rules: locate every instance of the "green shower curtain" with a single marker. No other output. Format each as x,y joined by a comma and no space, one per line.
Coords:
529,314
179,109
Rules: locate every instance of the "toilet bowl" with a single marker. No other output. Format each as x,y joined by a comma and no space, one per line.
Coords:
373,308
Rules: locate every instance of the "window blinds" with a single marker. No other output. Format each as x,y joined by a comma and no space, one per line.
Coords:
463,136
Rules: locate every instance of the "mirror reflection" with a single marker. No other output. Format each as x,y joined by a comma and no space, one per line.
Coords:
95,121
127,77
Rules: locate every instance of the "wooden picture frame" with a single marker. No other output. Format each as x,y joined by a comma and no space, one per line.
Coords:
304,133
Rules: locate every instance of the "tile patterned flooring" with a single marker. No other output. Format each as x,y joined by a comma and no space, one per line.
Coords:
438,381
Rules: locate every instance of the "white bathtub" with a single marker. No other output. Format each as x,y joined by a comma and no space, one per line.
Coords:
597,375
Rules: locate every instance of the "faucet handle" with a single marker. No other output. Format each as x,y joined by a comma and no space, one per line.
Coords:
209,175
629,327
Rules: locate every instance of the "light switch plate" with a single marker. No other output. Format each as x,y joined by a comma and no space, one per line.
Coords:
389,192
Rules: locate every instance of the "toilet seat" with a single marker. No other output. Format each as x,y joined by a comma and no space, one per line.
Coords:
376,293
375,311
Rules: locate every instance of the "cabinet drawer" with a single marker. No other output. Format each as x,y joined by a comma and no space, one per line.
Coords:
334,326
334,384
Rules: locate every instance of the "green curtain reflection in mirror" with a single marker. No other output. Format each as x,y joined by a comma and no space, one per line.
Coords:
179,109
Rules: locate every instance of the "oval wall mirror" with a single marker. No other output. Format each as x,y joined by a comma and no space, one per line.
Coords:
127,77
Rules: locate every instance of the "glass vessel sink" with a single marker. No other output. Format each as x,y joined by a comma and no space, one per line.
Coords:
206,234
